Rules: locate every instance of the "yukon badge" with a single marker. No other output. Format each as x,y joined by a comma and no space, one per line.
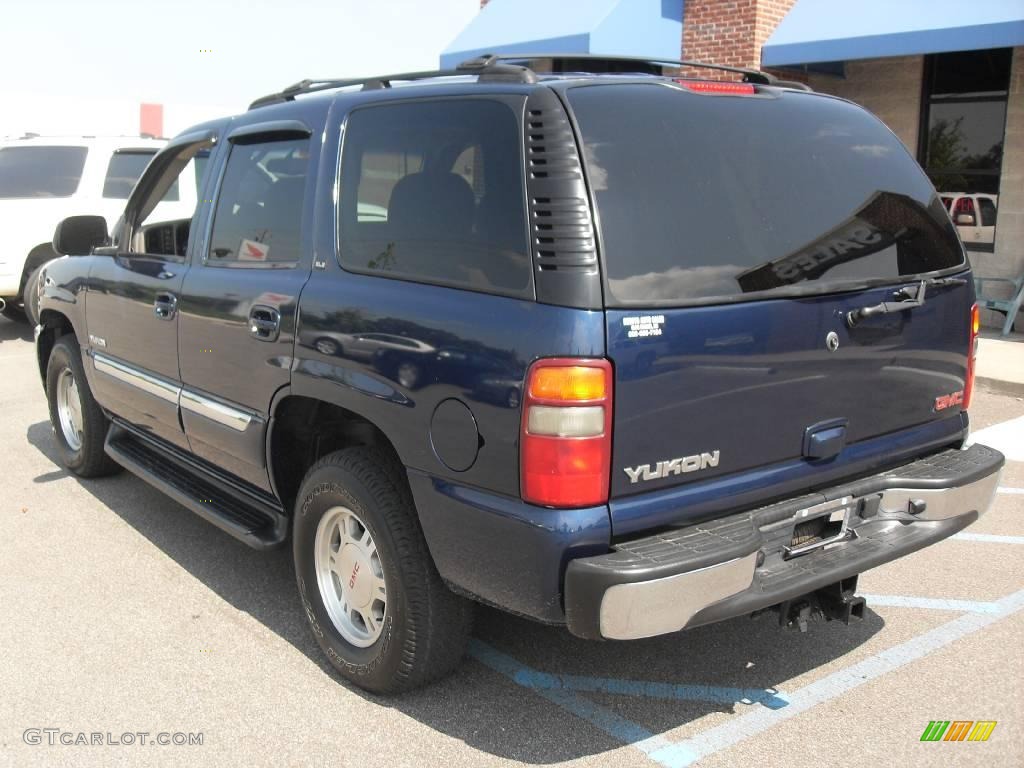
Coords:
672,467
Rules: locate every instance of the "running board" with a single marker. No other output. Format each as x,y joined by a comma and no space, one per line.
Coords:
255,521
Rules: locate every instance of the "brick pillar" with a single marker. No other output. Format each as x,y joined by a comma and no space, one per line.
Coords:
729,31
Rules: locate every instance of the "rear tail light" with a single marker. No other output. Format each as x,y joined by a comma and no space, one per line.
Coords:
709,86
565,445
972,355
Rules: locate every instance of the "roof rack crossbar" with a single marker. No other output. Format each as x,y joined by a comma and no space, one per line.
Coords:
493,67
485,70
749,75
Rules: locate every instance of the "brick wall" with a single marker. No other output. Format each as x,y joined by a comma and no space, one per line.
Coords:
730,31
1008,259
889,87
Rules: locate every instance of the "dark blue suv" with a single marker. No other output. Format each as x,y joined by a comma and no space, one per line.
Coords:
625,352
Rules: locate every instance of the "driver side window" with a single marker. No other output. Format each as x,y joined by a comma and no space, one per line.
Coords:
167,211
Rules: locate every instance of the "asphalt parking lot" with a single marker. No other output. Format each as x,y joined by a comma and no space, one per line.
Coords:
123,613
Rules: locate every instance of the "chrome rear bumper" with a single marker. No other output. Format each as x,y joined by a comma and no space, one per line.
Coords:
745,562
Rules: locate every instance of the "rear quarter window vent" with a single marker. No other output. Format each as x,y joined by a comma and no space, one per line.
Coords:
561,224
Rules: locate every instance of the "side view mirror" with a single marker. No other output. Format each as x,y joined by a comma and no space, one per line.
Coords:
965,219
78,235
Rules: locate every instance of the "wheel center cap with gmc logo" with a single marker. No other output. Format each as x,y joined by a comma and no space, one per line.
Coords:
353,572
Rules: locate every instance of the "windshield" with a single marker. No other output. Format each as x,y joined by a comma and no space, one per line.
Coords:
40,171
707,199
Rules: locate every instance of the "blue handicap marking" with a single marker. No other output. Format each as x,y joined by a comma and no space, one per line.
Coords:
564,690
536,680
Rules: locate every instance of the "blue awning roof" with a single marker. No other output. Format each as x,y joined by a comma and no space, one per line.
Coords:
651,28
824,30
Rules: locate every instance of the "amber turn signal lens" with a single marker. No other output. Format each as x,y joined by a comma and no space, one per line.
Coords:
568,384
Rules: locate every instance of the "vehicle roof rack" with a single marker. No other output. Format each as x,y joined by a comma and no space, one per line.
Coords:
486,70
749,75
505,68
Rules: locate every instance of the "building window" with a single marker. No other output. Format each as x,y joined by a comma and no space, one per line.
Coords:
965,115
964,121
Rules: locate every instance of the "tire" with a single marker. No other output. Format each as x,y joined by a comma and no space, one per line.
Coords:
30,297
422,626
328,347
82,452
14,311
408,375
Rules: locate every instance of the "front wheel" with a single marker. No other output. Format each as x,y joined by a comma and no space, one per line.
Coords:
371,593
78,423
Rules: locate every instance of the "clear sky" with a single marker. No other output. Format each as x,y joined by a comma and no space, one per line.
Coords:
212,53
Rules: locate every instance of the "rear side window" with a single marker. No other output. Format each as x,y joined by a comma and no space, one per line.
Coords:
27,172
124,169
988,212
258,219
705,199
433,192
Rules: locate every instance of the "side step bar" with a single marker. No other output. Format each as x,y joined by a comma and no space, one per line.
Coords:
258,522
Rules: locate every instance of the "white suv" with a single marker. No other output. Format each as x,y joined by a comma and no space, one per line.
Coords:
974,216
46,179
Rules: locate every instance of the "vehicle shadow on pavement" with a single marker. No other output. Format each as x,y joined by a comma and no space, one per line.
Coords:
477,705
11,330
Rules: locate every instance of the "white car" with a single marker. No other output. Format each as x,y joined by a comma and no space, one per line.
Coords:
974,216
46,179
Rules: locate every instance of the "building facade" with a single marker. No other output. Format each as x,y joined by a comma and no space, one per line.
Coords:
948,79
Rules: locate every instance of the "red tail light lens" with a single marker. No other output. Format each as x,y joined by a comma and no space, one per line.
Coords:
972,355
709,86
566,435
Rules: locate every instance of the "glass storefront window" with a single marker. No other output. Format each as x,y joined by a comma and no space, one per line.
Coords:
963,124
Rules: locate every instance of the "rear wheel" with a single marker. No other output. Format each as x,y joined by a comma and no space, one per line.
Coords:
13,311
78,423
30,296
372,595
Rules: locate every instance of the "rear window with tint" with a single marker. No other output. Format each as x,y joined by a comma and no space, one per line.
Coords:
432,191
40,171
706,199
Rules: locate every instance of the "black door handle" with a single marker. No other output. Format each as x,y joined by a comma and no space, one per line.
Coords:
165,306
264,323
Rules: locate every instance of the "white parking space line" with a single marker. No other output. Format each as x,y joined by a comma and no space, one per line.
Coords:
936,604
989,538
751,724
1006,437
564,691
1003,489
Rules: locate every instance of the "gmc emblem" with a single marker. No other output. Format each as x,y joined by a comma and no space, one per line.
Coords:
942,402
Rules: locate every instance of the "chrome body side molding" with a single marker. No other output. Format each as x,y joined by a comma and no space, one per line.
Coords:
225,415
147,382
172,392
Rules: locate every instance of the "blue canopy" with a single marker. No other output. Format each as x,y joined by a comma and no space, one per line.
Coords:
648,28
825,30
